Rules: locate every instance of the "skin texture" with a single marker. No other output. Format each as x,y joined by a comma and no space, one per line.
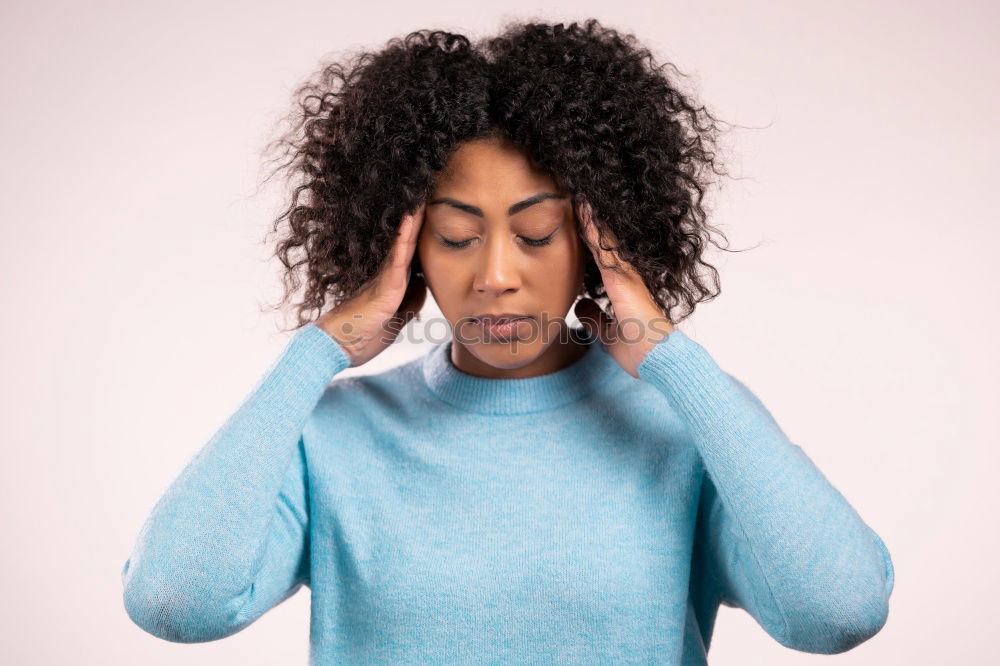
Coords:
499,271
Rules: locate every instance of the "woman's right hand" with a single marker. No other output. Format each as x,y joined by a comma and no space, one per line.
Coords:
368,323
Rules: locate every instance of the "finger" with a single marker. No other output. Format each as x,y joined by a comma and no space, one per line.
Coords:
620,278
414,298
403,248
406,239
608,260
409,309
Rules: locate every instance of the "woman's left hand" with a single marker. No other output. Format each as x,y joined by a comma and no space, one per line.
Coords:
638,323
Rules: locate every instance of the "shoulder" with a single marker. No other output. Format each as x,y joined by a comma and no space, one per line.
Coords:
385,391
356,411
633,406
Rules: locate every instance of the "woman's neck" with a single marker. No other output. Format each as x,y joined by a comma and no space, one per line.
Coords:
561,353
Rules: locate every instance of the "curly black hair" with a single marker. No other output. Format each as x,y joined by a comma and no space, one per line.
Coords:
588,104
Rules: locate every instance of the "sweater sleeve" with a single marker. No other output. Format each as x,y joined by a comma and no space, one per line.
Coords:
782,542
228,539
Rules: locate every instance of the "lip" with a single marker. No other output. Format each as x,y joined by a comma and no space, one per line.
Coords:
504,330
489,318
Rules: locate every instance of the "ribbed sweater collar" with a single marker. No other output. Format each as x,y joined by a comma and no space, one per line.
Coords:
517,396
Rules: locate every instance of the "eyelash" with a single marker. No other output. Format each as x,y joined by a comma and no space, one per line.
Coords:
532,242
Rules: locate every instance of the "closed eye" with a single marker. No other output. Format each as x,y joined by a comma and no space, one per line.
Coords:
531,242
538,242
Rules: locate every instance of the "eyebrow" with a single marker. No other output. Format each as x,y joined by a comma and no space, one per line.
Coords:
513,210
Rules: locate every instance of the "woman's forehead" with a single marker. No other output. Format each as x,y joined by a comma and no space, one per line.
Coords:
491,165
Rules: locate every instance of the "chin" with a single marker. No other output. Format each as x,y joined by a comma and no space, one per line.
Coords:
507,355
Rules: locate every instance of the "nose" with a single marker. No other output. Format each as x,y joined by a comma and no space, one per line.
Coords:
498,272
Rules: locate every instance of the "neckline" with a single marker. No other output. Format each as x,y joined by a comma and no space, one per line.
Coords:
517,396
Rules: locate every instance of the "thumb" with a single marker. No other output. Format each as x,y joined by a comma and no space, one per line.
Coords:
409,308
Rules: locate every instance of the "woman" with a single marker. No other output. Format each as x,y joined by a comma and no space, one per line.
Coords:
526,491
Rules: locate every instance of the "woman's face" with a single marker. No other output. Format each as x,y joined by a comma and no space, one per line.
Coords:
499,237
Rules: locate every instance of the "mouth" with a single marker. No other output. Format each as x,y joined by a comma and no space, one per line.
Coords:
490,320
502,328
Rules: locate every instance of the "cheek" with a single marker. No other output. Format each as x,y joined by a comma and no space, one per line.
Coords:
441,273
435,262
563,265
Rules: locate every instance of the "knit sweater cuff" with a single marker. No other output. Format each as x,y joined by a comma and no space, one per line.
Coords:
692,381
310,359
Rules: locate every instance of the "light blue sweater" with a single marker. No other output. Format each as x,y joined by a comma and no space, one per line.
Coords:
582,517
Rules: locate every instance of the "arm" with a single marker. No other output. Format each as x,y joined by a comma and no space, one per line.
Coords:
228,539
781,541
